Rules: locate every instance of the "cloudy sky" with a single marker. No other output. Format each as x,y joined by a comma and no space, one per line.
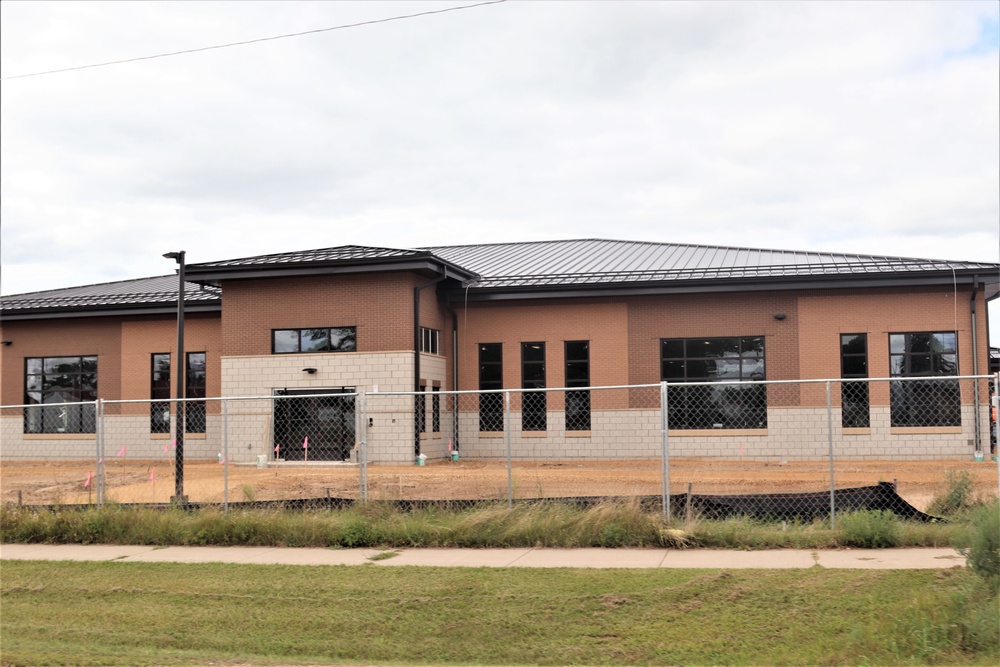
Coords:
856,127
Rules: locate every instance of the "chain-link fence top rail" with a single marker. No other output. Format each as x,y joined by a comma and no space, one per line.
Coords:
713,438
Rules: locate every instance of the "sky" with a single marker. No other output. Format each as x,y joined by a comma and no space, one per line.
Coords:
847,127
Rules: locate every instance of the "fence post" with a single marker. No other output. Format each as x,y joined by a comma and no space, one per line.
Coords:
362,444
664,454
225,456
996,424
506,435
99,450
829,433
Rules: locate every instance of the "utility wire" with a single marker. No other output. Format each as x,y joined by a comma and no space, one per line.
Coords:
253,41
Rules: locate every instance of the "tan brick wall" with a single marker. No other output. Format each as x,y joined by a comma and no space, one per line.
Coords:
380,305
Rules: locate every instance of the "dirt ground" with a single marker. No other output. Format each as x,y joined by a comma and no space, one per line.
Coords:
57,482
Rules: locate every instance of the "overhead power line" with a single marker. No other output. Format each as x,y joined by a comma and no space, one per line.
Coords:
253,41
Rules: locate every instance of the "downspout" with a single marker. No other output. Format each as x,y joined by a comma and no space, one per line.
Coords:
416,355
454,374
975,361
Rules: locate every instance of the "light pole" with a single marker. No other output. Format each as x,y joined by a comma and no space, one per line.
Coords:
180,372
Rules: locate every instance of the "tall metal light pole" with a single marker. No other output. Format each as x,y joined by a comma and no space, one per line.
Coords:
180,371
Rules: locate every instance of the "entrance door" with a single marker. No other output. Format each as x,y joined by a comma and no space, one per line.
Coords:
327,421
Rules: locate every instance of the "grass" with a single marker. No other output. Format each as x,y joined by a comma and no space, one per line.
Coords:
58,613
613,524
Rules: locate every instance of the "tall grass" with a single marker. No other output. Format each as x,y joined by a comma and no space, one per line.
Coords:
611,524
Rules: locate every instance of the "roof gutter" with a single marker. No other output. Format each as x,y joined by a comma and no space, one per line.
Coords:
975,360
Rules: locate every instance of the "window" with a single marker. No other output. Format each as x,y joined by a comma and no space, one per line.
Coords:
578,375
436,410
713,360
159,391
421,409
430,340
533,377
924,402
332,339
51,383
854,395
194,411
490,377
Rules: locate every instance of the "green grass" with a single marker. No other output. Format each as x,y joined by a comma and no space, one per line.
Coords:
57,613
613,524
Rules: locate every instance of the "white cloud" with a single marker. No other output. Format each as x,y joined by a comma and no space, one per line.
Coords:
848,127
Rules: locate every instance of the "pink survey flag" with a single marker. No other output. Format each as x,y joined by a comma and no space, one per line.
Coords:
152,476
276,448
121,452
305,443
166,446
90,475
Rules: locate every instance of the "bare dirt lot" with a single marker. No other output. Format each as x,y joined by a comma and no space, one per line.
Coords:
135,481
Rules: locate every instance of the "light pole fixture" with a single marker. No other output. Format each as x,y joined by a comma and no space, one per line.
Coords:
181,373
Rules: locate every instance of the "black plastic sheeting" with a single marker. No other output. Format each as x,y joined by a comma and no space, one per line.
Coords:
780,506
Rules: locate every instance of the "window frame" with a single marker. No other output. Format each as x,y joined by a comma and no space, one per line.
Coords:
702,406
534,405
194,411
577,411
159,394
491,406
349,333
41,417
854,393
935,402
430,341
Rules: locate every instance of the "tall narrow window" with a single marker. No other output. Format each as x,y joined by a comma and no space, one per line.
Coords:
578,375
50,383
490,378
533,404
436,410
732,361
854,395
194,413
159,391
430,340
924,402
421,408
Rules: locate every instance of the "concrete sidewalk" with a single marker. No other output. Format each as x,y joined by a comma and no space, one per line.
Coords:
871,559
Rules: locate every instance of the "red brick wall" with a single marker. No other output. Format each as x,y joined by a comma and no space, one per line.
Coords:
380,305
66,337
603,322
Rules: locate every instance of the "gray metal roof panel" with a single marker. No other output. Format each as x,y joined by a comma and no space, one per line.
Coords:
138,292
337,254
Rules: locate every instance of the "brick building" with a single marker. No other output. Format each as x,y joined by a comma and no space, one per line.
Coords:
564,314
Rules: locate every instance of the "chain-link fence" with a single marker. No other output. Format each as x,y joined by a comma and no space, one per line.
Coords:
791,448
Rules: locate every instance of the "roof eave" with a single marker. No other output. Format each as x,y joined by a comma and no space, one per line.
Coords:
214,275
55,313
702,286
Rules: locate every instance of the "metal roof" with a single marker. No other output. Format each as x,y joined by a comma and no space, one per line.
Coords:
338,254
601,261
121,295
529,268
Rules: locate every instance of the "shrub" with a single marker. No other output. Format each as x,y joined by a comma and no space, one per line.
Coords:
869,529
980,544
958,496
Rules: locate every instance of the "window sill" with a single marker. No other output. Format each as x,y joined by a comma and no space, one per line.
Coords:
856,431
491,434
701,433
577,434
913,430
59,436
535,434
